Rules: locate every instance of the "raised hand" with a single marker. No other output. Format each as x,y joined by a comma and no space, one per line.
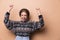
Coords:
38,11
10,7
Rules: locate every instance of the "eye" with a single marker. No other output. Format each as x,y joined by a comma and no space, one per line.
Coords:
21,15
25,15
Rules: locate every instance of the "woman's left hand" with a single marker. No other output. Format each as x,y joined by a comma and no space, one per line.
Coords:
38,11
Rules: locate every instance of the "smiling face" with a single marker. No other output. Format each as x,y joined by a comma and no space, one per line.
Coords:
23,16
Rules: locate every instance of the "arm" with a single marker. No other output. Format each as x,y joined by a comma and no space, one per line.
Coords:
8,22
40,23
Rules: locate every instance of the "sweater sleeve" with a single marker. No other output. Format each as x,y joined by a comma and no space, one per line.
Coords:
41,21
39,24
7,22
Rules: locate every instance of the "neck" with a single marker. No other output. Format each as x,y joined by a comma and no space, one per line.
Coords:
24,21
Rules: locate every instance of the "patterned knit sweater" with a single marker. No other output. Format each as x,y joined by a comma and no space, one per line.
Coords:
21,28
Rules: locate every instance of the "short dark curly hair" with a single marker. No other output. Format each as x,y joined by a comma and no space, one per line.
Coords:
26,11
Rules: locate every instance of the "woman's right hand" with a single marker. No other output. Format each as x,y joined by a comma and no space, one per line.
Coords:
10,8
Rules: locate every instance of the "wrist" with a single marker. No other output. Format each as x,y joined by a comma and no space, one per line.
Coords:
40,16
7,13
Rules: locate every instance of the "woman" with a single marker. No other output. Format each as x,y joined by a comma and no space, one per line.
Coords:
23,28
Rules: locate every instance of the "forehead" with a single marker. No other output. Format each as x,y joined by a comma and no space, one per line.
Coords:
23,13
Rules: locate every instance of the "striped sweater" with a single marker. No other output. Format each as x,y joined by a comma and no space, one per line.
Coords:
21,28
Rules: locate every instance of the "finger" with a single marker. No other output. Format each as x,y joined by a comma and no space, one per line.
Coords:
11,5
37,8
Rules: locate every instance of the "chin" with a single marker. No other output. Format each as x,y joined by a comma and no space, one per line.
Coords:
24,20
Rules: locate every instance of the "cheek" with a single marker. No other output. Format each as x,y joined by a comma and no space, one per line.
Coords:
25,17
